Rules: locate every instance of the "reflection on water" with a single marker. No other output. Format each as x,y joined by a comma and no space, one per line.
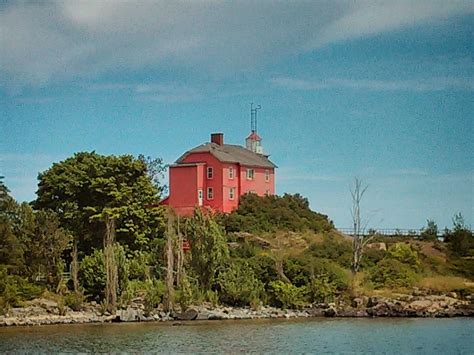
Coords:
440,336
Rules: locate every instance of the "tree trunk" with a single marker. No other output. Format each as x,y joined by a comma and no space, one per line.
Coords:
111,282
75,267
169,265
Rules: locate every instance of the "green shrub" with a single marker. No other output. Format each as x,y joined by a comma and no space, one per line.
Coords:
186,294
287,295
238,284
257,214
138,266
391,273
15,289
74,300
92,272
405,254
154,294
321,289
335,249
263,266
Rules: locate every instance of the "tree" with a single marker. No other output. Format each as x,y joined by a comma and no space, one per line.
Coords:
359,240
430,232
80,187
209,250
460,239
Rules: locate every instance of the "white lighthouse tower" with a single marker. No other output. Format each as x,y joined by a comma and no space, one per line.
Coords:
253,142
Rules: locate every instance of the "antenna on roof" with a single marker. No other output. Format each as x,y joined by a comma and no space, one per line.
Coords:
253,117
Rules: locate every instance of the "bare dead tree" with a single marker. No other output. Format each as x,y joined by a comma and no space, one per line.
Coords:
179,256
111,271
75,267
170,236
359,240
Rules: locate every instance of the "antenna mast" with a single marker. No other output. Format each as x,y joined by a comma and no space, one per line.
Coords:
253,117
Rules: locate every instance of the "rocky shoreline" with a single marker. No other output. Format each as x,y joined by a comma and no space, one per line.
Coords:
44,312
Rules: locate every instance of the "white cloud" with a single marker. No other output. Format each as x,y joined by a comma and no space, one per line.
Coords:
431,84
70,40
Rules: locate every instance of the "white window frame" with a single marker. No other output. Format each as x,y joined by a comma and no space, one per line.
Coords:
231,193
267,175
250,174
210,173
210,193
231,173
200,197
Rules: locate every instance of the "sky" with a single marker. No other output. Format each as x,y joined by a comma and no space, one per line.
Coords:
380,90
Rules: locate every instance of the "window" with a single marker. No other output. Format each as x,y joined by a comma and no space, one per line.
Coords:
250,174
210,193
210,172
267,175
200,197
231,173
231,193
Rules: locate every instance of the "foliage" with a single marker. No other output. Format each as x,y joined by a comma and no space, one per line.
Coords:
405,254
154,294
287,295
263,266
186,294
238,284
460,239
15,289
321,289
138,266
336,249
209,250
257,214
79,188
304,270
391,273
92,272
430,232
74,300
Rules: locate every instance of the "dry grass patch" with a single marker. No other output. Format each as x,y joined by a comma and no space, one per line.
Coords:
444,283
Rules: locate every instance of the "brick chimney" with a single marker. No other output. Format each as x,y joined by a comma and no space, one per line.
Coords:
217,138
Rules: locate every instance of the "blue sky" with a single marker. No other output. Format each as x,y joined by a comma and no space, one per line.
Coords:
379,90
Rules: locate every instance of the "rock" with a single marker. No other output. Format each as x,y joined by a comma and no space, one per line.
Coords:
372,301
190,314
217,315
452,295
130,315
357,302
330,312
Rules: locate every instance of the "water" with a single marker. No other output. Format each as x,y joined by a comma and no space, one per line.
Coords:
391,336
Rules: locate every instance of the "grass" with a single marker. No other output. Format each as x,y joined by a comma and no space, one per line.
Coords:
445,283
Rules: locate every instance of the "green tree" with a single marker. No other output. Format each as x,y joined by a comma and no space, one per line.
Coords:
209,251
460,239
430,232
79,188
238,284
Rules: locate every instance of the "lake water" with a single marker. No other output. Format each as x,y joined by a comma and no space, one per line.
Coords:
391,336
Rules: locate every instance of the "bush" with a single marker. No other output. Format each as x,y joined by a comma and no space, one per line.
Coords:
336,249
15,289
92,272
303,270
238,284
154,294
138,266
74,300
257,214
405,254
287,295
391,273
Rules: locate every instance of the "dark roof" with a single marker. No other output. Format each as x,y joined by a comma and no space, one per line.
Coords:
230,153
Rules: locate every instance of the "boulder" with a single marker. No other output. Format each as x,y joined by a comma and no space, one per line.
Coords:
189,314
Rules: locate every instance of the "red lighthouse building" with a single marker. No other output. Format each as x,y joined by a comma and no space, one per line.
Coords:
215,175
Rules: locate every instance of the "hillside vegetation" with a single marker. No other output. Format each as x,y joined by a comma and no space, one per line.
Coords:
272,250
